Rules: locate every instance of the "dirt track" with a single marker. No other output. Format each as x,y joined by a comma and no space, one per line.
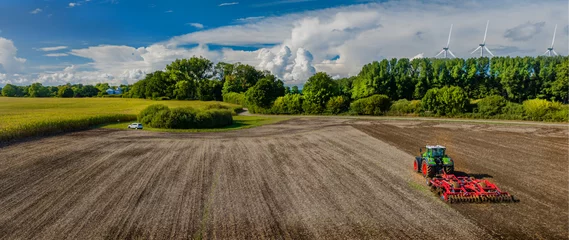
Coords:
304,178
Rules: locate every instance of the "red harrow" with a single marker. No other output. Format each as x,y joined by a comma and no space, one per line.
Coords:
453,189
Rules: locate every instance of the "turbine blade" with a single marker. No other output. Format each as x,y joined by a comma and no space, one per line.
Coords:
440,53
555,52
451,54
554,31
485,32
488,50
545,53
475,50
449,34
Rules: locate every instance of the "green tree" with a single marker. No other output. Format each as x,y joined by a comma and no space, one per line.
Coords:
264,93
12,91
65,92
317,92
38,90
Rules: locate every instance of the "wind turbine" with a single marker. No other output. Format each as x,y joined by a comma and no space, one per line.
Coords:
550,49
446,49
482,46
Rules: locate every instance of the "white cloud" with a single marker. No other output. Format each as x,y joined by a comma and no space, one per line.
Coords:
302,68
36,11
72,4
56,55
196,25
49,49
169,11
275,63
228,4
9,62
340,40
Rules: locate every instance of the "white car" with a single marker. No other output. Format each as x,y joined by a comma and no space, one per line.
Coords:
135,126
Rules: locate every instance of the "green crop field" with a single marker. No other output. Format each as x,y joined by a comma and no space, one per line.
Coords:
25,117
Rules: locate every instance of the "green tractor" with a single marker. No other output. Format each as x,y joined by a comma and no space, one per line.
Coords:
433,161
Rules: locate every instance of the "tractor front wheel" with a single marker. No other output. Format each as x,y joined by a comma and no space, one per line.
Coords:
428,170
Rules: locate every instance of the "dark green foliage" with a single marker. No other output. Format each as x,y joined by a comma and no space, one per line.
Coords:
261,96
491,105
12,91
38,90
317,92
445,101
65,92
160,116
289,104
375,105
337,105
242,78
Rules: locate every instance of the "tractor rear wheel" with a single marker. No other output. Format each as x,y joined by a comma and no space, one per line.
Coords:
425,168
449,169
417,166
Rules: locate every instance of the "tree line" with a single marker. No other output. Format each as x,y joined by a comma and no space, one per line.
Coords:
431,81
63,91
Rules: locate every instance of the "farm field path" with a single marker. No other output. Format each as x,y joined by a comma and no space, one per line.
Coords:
298,179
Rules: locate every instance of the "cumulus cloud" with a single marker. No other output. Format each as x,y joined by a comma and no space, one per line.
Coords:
196,25
524,31
275,63
49,49
9,62
228,4
341,40
36,11
72,4
302,68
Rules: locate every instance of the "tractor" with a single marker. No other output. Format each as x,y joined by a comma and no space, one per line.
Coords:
433,162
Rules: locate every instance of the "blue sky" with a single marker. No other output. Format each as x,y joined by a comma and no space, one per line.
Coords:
118,41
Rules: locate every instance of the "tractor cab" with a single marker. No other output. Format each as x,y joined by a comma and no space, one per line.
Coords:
437,151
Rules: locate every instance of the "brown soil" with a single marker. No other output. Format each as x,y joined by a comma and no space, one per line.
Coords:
299,179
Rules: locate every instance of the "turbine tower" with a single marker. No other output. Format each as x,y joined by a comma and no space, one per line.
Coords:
446,49
550,49
482,46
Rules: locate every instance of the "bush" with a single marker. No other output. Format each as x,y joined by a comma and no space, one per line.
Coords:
236,110
289,104
235,98
160,116
445,101
374,105
338,104
404,106
540,109
491,105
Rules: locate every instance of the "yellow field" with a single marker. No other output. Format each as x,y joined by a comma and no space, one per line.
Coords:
23,117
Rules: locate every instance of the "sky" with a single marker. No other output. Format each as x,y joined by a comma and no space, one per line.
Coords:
118,41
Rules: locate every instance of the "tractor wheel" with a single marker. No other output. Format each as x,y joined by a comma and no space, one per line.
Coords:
431,171
449,169
416,166
425,169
